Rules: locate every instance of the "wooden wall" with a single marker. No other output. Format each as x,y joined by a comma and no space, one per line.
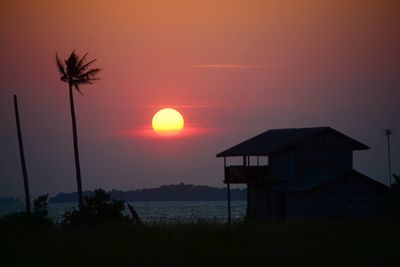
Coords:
347,197
325,152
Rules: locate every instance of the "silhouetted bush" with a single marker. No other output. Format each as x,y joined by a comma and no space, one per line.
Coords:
98,209
332,244
40,205
37,219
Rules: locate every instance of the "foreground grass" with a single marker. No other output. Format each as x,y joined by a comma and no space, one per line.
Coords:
246,244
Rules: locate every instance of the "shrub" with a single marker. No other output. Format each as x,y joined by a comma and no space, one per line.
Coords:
98,209
40,205
37,219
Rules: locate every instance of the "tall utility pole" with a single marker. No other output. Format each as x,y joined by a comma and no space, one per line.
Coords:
21,153
388,133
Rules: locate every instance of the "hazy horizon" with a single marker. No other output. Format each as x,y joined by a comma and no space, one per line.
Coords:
234,69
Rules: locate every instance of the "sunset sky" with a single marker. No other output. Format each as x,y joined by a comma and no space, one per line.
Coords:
232,68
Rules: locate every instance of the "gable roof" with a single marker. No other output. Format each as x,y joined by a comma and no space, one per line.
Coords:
312,181
275,140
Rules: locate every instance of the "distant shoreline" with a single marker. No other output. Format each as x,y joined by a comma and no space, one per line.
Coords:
177,192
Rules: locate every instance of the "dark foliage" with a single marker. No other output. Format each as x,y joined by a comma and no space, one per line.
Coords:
36,219
343,243
98,209
40,205
77,70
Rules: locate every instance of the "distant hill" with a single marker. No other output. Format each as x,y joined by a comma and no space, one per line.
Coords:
179,192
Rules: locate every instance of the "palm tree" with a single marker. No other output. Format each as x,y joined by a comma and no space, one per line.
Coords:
76,71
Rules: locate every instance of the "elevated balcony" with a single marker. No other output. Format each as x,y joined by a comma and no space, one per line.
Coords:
246,174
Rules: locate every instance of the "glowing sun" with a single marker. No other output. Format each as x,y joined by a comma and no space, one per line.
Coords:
167,122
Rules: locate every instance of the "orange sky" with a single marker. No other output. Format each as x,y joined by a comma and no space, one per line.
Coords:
233,68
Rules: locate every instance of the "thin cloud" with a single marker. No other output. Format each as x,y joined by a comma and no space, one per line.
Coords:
230,66
202,106
148,132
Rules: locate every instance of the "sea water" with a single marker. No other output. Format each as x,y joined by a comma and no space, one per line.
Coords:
163,211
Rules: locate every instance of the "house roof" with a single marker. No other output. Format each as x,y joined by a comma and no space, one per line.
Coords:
312,181
275,140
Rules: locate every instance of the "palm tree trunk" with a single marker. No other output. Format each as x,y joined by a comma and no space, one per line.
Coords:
75,135
21,153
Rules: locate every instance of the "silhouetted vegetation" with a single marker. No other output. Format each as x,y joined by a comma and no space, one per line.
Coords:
98,209
40,205
103,236
335,244
36,219
76,71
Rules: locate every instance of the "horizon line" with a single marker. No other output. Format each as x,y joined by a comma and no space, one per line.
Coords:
231,66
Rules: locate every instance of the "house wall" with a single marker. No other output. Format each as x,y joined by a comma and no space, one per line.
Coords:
282,166
351,196
324,152
257,201
300,205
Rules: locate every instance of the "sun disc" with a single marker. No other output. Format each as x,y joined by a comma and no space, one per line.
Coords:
167,122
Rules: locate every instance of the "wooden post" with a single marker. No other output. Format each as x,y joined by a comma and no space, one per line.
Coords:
228,188
390,167
245,170
135,216
22,156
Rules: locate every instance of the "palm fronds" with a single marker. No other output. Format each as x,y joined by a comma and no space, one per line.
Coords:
76,70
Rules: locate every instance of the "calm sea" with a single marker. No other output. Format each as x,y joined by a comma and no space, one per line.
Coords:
165,211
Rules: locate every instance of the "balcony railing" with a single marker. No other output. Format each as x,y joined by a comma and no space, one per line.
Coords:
246,174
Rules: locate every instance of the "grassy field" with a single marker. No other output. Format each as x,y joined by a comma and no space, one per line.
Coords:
209,244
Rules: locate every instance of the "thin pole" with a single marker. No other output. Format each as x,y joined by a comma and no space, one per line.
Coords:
229,202
390,166
228,188
22,155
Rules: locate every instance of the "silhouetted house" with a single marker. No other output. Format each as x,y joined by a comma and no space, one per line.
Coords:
309,175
